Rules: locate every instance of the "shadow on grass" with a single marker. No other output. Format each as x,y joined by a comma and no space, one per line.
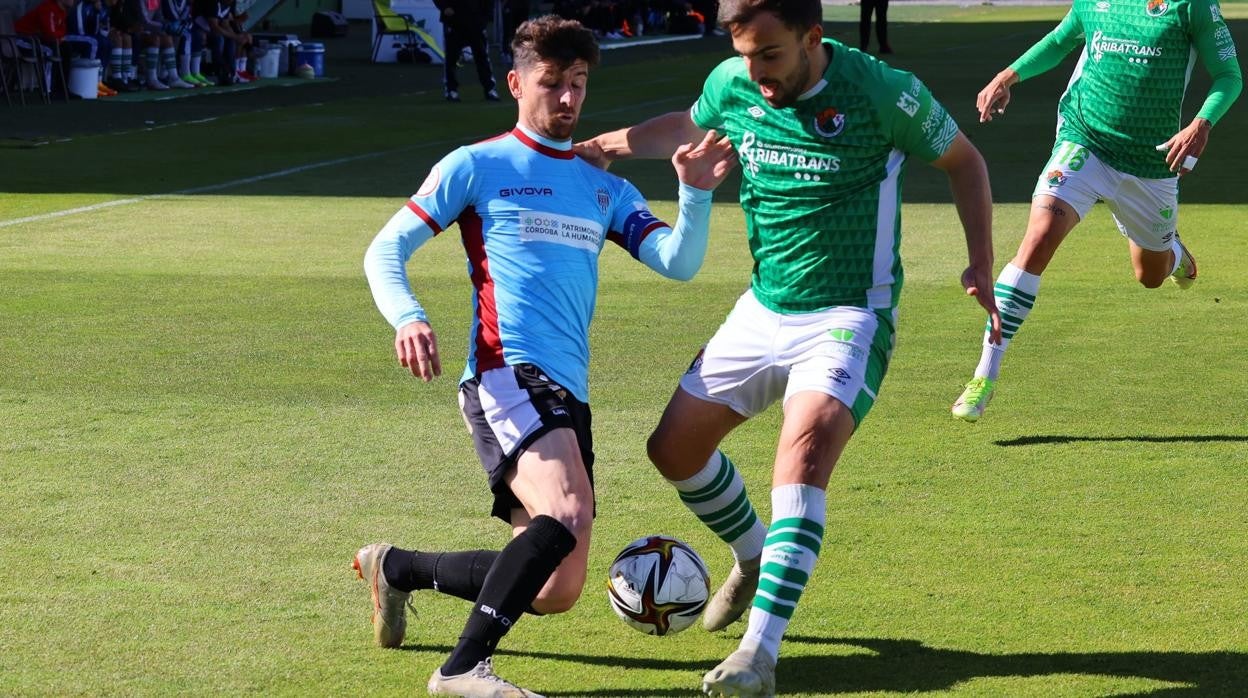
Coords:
908,666
1061,439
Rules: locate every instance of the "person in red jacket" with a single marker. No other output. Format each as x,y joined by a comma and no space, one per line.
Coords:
47,23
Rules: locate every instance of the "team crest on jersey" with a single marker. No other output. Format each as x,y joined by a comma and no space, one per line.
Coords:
829,123
430,183
1056,178
1157,8
604,200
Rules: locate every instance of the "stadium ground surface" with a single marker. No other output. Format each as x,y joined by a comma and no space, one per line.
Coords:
201,418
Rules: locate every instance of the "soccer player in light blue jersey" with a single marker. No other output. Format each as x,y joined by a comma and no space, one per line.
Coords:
533,218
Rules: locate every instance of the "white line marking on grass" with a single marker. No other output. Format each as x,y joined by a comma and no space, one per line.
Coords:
273,175
197,190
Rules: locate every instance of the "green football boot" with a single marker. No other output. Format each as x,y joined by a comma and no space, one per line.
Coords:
974,400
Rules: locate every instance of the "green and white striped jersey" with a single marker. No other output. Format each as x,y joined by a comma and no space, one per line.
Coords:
1126,94
821,184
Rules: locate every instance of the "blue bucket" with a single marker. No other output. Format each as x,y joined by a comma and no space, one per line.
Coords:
312,54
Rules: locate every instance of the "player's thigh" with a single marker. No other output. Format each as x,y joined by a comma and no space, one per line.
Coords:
732,378
550,479
524,427
838,358
1071,183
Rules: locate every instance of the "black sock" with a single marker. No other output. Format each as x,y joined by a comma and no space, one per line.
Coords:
458,574
519,572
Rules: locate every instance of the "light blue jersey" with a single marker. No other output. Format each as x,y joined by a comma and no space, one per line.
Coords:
533,219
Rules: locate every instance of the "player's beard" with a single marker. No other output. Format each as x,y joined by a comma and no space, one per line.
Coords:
789,89
560,129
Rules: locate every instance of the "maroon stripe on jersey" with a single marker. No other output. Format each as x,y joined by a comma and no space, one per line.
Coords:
617,238
541,148
487,345
424,216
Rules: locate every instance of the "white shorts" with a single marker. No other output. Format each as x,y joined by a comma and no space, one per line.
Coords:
1146,210
757,355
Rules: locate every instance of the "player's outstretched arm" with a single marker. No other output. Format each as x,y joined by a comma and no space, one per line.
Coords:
1043,56
677,252
655,138
972,194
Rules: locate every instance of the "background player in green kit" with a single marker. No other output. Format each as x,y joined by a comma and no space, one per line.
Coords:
1116,141
822,132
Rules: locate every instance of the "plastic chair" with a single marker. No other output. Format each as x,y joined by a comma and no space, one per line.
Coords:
389,23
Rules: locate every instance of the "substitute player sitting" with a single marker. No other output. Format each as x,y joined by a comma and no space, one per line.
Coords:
533,218
1118,139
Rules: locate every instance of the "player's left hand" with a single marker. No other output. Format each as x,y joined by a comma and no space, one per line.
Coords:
706,164
978,282
590,151
1191,141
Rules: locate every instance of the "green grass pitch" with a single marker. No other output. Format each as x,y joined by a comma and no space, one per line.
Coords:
201,418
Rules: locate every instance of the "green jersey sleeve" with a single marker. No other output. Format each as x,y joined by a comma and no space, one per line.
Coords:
917,123
1216,49
1048,52
707,112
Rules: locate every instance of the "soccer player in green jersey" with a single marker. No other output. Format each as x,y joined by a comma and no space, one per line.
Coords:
1118,139
822,132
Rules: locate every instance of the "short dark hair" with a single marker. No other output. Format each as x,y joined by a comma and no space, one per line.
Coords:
798,15
554,39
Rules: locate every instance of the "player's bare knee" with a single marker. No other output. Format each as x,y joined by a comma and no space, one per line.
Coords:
558,598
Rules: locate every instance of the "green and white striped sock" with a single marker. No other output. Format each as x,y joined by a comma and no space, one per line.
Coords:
1015,292
789,556
716,495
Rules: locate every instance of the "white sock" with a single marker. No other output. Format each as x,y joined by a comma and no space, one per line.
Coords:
184,64
116,68
151,63
196,60
1015,292
1177,248
789,556
127,63
168,64
716,495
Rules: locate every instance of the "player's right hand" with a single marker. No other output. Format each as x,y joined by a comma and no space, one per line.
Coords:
417,348
993,99
706,164
978,282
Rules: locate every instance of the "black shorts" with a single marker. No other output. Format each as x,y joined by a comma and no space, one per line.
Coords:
509,408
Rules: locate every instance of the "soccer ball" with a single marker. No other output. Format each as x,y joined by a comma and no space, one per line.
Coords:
305,71
658,585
